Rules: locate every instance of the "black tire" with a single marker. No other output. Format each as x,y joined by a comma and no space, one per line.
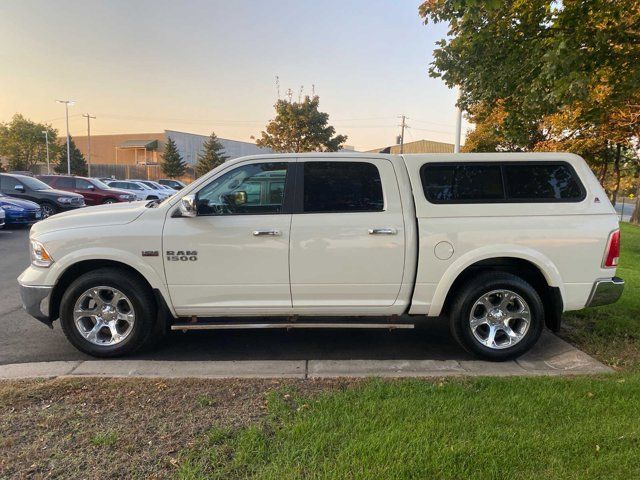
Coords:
48,209
136,291
109,201
476,288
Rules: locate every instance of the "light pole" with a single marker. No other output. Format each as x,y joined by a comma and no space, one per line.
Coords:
66,109
89,117
456,147
46,139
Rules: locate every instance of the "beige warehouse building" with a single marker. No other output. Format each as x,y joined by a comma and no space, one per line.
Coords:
420,146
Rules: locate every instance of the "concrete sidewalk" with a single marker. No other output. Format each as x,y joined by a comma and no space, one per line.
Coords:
551,356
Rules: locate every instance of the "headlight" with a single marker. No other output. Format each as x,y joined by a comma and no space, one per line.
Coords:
39,255
65,199
125,197
13,208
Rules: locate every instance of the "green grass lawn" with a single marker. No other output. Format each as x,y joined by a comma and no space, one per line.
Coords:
517,428
612,333
485,428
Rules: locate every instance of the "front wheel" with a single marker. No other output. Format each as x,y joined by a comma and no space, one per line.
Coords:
107,313
48,209
497,316
109,201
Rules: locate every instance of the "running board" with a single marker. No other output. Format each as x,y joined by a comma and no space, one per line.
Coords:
246,326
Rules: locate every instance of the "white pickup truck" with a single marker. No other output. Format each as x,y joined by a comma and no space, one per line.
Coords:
498,245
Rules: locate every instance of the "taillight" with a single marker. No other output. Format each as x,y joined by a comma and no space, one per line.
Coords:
612,253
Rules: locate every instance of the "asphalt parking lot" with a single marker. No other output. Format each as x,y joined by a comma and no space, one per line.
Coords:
24,339
29,348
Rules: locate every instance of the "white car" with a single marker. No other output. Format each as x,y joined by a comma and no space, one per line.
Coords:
498,245
162,189
139,189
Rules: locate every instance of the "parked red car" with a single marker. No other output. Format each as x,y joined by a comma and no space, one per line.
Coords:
94,191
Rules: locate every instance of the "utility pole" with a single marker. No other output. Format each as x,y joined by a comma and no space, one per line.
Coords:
403,125
66,109
88,117
456,147
46,140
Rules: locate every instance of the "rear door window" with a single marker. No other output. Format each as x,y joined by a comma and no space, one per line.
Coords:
65,183
342,187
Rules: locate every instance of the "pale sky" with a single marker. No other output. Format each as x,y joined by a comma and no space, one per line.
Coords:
197,66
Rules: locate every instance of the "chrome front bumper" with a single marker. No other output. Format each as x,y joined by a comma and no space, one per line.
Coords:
35,300
605,291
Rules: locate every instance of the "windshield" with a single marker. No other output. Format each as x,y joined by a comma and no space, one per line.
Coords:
34,183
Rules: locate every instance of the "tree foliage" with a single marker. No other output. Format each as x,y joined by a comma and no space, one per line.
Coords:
212,156
546,75
23,143
173,166
300,127
77,161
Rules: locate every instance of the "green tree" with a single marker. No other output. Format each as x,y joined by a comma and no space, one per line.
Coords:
212,156
300,127
565,75
23,143
540,56
77,161
172,164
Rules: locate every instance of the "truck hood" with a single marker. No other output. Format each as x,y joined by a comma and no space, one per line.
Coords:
98,216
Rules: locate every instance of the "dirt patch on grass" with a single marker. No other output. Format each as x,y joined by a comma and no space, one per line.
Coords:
122,428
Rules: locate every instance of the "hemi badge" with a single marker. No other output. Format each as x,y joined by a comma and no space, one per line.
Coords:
150,253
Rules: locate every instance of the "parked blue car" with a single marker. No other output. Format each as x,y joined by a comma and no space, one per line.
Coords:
20,212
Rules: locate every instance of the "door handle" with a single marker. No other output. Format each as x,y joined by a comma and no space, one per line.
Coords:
262,233
382,231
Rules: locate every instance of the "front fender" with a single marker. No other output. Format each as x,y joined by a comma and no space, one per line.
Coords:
35,276
543,263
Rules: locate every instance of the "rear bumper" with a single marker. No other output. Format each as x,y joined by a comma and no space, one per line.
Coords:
35,301
605,291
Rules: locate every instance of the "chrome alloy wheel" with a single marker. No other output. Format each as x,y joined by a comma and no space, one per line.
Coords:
104,316
47,210
500,319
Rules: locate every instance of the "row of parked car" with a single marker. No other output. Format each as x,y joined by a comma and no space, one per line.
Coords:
26,199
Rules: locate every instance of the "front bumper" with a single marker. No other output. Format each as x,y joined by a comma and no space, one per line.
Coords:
28,217
35,300
605,291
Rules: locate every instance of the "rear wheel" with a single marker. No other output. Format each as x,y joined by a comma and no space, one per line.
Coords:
497,316
48,209
107,313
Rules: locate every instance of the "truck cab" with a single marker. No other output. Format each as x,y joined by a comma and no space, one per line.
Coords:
498,245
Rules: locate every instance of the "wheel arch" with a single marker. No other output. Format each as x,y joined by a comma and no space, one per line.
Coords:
73,271
535,269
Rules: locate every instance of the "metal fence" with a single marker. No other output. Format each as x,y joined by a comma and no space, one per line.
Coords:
123,172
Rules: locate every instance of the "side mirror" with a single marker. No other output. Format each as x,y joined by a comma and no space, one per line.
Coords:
19,188
236,198
240,197
91,187
188,207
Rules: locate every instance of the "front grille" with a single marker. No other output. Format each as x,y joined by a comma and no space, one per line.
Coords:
77,201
